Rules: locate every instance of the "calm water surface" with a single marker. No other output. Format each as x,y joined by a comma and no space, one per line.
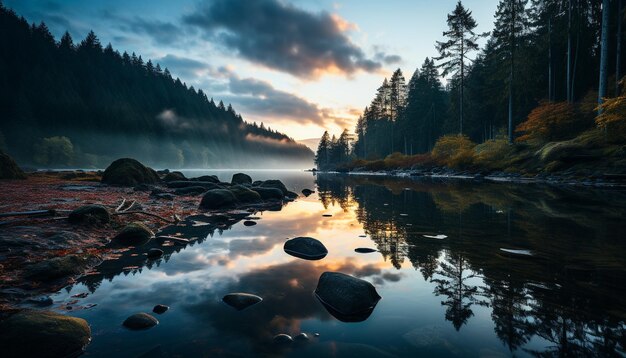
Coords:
459,296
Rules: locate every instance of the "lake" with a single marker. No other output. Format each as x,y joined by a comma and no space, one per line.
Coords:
463,268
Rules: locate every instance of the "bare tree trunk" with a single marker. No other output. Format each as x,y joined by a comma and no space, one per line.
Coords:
604,50
550,89
618,56
569,50
576,55
511,75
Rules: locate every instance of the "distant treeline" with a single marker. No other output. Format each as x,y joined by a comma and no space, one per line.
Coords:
67,104
539,78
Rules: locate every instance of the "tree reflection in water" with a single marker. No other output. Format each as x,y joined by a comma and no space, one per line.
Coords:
569,297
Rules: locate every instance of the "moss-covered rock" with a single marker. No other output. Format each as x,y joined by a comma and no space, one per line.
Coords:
60,267
276,184
134,234
9,169
218,199
43,334
244,194
241,178
174,176
129,172
91,214
269,193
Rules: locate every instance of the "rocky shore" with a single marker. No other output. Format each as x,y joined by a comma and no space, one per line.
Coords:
57,228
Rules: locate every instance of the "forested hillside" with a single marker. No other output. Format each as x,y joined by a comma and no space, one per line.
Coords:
535,81
84,104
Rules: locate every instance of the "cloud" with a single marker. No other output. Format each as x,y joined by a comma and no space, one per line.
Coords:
162,32
282,37
183,66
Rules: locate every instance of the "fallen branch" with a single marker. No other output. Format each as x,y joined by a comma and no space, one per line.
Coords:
149,214
29,213
121,205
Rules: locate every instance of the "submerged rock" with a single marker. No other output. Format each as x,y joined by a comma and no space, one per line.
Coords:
307,192
282,339
9,169
301,337
90,214
249,223
241,301
218,199
306,248
173,176
241,178
154,253
269,193
160,309
244,194
364,250
43,334
140,321
347,298
60,267
129,172
134,234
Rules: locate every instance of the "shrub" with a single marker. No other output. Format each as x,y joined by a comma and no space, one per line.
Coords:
613,118
494,154
455,151
552,121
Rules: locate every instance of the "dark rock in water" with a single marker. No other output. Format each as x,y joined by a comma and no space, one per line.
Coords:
9,169
316,334
160,309
174,176
306,248
90,214
245,195
249,223
241,178
207,178
134,234
327,215
140,321
301,337
269,193
155,253
43,301
347,298
191,190
241,301
43,334
189,183
218,199
282,339
291,194
276,184
307,192
60,267
129,172
364,250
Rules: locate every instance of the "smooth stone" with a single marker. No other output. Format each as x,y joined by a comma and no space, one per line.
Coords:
362,235
241,178
134,234
301,337
282,339
306,248
327,215
249,223
140,321
218,199
364,250
174,176
43,334
277,184
316,334
179,184
160,309
347,298
241,301
244,194
155,253
89,214
190,190
209,178
129,172
269,193
307,192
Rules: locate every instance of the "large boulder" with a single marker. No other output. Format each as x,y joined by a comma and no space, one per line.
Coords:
134,234
43,334
208,185
347,298
218,199
306,248
276,184
60,267
129,172
173,176
244,195
9,169
241,178
140,321
91,214
269,193
241,301
209,178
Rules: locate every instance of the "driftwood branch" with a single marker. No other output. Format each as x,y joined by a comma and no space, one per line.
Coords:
29,213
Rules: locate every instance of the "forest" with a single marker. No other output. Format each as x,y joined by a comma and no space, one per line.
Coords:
67,104
550,72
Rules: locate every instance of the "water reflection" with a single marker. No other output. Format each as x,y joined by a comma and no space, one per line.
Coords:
457,296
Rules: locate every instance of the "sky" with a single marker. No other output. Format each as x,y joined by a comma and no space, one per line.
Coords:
299,66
